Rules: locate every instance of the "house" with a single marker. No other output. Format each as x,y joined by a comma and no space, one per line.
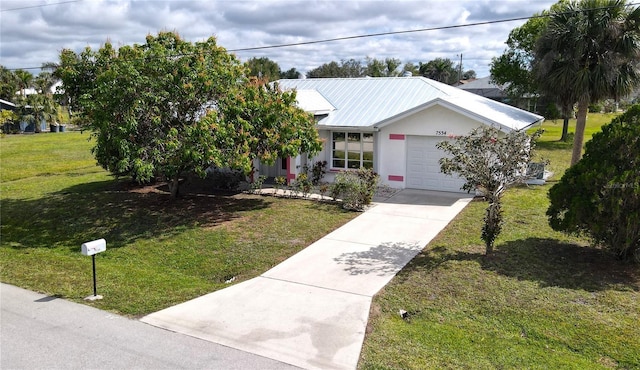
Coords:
21,126
392,125
487,88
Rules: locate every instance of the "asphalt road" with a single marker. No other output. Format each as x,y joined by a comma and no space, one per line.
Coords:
40,332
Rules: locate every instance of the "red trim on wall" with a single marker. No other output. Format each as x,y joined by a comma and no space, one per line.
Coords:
290,175
396,136
396,178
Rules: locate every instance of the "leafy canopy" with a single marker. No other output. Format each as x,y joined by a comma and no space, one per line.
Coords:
146,104
600,195
261,122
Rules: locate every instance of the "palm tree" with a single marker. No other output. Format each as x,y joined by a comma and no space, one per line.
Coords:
591,49
43,82
40,107
439,69
24,80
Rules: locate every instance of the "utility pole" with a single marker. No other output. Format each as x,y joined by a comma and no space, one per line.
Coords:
460,69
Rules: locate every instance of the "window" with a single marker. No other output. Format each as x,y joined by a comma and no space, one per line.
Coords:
351,150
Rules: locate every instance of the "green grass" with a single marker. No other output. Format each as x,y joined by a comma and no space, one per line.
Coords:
159,252
543,301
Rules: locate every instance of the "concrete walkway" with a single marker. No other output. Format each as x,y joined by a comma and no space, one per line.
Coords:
312,310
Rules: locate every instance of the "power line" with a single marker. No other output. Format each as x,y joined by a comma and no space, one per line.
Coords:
39,6
353,37
407,31
384,34
365,35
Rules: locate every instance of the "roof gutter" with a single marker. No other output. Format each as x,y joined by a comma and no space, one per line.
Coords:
349,128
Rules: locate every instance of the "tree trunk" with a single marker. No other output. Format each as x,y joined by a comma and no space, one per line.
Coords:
174,185
492,225
581,122
565,129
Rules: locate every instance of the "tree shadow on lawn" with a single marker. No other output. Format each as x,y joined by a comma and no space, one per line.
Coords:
554,145
554,263
548,262
118,211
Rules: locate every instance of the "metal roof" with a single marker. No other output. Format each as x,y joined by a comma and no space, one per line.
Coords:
312,101
367,103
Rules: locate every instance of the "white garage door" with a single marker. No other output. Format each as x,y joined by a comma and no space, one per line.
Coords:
423,169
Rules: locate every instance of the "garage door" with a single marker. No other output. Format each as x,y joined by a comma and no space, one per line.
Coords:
423,169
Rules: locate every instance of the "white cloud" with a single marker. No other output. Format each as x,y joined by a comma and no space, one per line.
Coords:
35,35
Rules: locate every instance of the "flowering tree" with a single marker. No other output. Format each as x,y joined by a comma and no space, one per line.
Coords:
490,163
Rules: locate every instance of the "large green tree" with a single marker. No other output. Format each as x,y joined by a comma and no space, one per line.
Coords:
146,105
262,122
382,68
591,49
371,67
439,69
290,73
346,68
514,67
8,84
444,70
263,68
600,195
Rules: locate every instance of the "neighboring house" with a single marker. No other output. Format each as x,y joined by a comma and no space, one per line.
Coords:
486,88
32,90
392,125
22,126
7,105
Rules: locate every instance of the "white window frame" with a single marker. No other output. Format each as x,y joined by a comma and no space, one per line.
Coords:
346,150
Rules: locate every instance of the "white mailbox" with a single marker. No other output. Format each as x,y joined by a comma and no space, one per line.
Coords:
94,247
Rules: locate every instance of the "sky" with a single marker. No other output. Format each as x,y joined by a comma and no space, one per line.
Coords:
33,32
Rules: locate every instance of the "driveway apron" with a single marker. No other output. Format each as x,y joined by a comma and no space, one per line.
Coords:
312,309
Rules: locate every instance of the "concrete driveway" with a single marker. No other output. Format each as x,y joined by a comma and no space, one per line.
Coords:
312,310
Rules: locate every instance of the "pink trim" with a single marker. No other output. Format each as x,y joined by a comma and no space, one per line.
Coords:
396,136
290,176
396,178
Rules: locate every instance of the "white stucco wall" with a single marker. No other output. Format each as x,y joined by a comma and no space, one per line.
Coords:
392,139
390,156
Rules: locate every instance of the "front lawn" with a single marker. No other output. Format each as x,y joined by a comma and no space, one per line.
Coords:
543,301
159,252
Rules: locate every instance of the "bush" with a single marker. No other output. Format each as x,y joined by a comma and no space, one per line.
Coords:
224,178
596,108
318,170
355,187
552,112
302,185
600,195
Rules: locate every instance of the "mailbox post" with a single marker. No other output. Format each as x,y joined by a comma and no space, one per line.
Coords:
91,249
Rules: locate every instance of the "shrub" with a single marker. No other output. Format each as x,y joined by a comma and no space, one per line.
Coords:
596,108
225,179
280,182
552,112
491,163
600,195
303,185
318,170
355,187
256,185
